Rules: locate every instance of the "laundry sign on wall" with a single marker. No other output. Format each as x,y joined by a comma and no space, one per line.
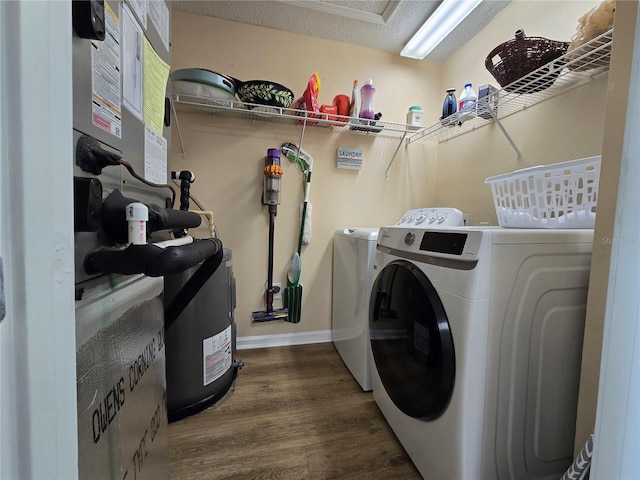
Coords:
349,158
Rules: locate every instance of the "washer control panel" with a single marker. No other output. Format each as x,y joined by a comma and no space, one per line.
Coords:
432,218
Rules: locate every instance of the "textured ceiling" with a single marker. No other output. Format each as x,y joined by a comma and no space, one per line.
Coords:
379,24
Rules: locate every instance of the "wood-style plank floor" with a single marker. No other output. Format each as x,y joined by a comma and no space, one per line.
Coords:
296,413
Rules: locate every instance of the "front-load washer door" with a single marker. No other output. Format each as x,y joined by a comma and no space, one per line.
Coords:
411,341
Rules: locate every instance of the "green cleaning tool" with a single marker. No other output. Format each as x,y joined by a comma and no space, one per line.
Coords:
293,291
305,161
271,197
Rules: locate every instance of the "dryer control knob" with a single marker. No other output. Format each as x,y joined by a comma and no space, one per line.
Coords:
409,238
432,219
420,219
441,218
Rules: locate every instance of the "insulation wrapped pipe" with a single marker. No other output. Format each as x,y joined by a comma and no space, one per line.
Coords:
208,214
149,259
115,225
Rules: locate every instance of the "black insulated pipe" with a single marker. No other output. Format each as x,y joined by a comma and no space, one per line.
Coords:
150,259
154,261
88,19
160,218
87,204
186,179
92,158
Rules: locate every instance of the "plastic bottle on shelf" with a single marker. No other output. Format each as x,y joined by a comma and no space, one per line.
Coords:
414,117
467,104
449,107
366,96
354,108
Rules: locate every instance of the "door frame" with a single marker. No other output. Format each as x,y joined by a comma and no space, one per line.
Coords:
617,426
38,419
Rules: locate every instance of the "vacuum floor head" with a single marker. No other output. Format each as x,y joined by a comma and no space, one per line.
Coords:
270,315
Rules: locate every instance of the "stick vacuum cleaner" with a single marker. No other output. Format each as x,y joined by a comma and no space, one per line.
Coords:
271,198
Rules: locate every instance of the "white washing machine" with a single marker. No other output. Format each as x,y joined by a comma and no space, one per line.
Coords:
353,258
353,255
476,336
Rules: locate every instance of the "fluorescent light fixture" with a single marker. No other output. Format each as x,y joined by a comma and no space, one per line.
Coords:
440,24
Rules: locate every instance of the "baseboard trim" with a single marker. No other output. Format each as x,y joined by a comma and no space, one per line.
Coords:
281,340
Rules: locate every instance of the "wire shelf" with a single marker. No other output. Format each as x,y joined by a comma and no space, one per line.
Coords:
575,68
256,112
569,71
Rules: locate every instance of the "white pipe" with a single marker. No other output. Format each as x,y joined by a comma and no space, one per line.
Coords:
176,242
209,216
137,215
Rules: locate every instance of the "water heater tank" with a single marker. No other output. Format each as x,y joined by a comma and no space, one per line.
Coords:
201,343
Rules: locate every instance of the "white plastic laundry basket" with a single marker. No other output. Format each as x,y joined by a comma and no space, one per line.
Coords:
561,195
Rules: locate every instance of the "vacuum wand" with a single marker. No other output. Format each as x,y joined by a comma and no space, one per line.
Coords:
271,197
271,290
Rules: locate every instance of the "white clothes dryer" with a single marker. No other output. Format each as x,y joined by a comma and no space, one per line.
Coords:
476,336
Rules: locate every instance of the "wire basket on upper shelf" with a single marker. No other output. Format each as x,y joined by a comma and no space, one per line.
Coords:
516,58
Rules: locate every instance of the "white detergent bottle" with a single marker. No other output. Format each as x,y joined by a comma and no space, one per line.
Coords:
467,104
354,107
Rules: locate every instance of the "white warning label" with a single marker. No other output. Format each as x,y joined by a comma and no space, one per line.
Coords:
105,73
217,357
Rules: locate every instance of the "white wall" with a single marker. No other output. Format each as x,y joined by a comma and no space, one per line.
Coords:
38,433
567,127
227,155
4,370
